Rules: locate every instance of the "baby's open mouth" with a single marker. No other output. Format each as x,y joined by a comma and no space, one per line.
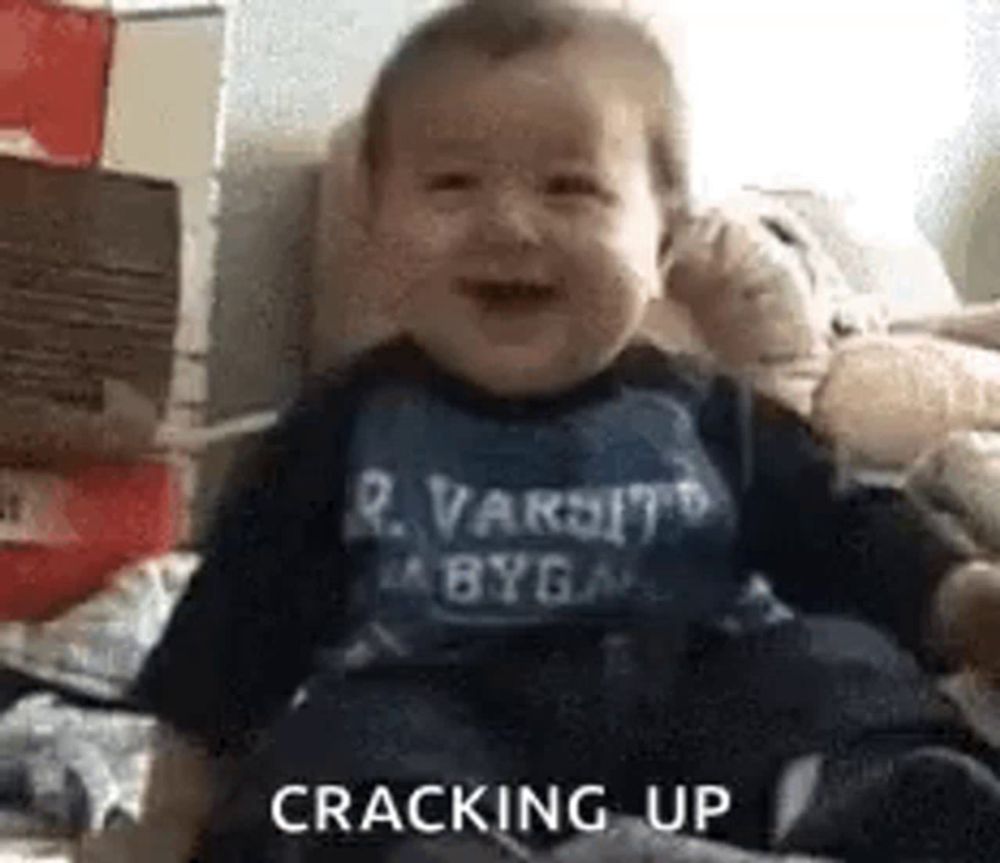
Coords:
513,294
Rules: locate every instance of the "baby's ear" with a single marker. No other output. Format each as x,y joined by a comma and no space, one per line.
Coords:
345,196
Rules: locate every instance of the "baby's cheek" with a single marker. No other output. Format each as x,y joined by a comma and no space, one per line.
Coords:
421,258
430,234
615,281
606,312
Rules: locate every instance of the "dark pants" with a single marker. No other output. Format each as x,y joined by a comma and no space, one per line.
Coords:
616,711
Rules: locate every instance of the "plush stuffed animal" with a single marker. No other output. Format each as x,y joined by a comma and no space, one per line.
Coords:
873,347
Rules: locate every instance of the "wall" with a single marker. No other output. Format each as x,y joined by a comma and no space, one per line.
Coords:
959,202
295,68
895,103
864,106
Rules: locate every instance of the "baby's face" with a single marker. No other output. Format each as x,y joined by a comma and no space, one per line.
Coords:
517,210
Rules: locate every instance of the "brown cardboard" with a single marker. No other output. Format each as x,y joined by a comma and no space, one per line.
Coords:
89,288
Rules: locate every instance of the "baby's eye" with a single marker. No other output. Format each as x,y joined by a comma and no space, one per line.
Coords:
450,181
574,185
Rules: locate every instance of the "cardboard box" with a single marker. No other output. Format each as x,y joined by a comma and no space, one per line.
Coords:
89,291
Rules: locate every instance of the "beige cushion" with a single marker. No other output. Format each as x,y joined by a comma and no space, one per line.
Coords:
977,324
888,399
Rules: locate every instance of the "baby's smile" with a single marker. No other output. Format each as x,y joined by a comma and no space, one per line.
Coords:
509,295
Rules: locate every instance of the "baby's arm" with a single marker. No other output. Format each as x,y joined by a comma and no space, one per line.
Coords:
241,638
829,544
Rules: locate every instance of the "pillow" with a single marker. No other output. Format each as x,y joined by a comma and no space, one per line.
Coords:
98,646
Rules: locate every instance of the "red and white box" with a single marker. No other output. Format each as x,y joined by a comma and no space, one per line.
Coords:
54,67
64,534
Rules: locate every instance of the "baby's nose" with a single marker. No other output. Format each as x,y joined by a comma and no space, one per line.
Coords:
510,217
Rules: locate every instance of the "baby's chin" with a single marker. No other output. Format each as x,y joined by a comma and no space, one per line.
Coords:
509,381
520,370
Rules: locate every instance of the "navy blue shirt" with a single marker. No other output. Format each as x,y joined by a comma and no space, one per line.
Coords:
400,516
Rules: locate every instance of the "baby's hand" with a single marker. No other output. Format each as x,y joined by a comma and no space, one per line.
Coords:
967,609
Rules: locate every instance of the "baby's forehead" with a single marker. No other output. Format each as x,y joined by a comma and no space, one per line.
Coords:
585,59
558,99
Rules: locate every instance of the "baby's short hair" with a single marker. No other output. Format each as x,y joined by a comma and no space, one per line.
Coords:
501,30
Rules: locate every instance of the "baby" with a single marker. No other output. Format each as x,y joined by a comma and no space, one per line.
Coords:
515,548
